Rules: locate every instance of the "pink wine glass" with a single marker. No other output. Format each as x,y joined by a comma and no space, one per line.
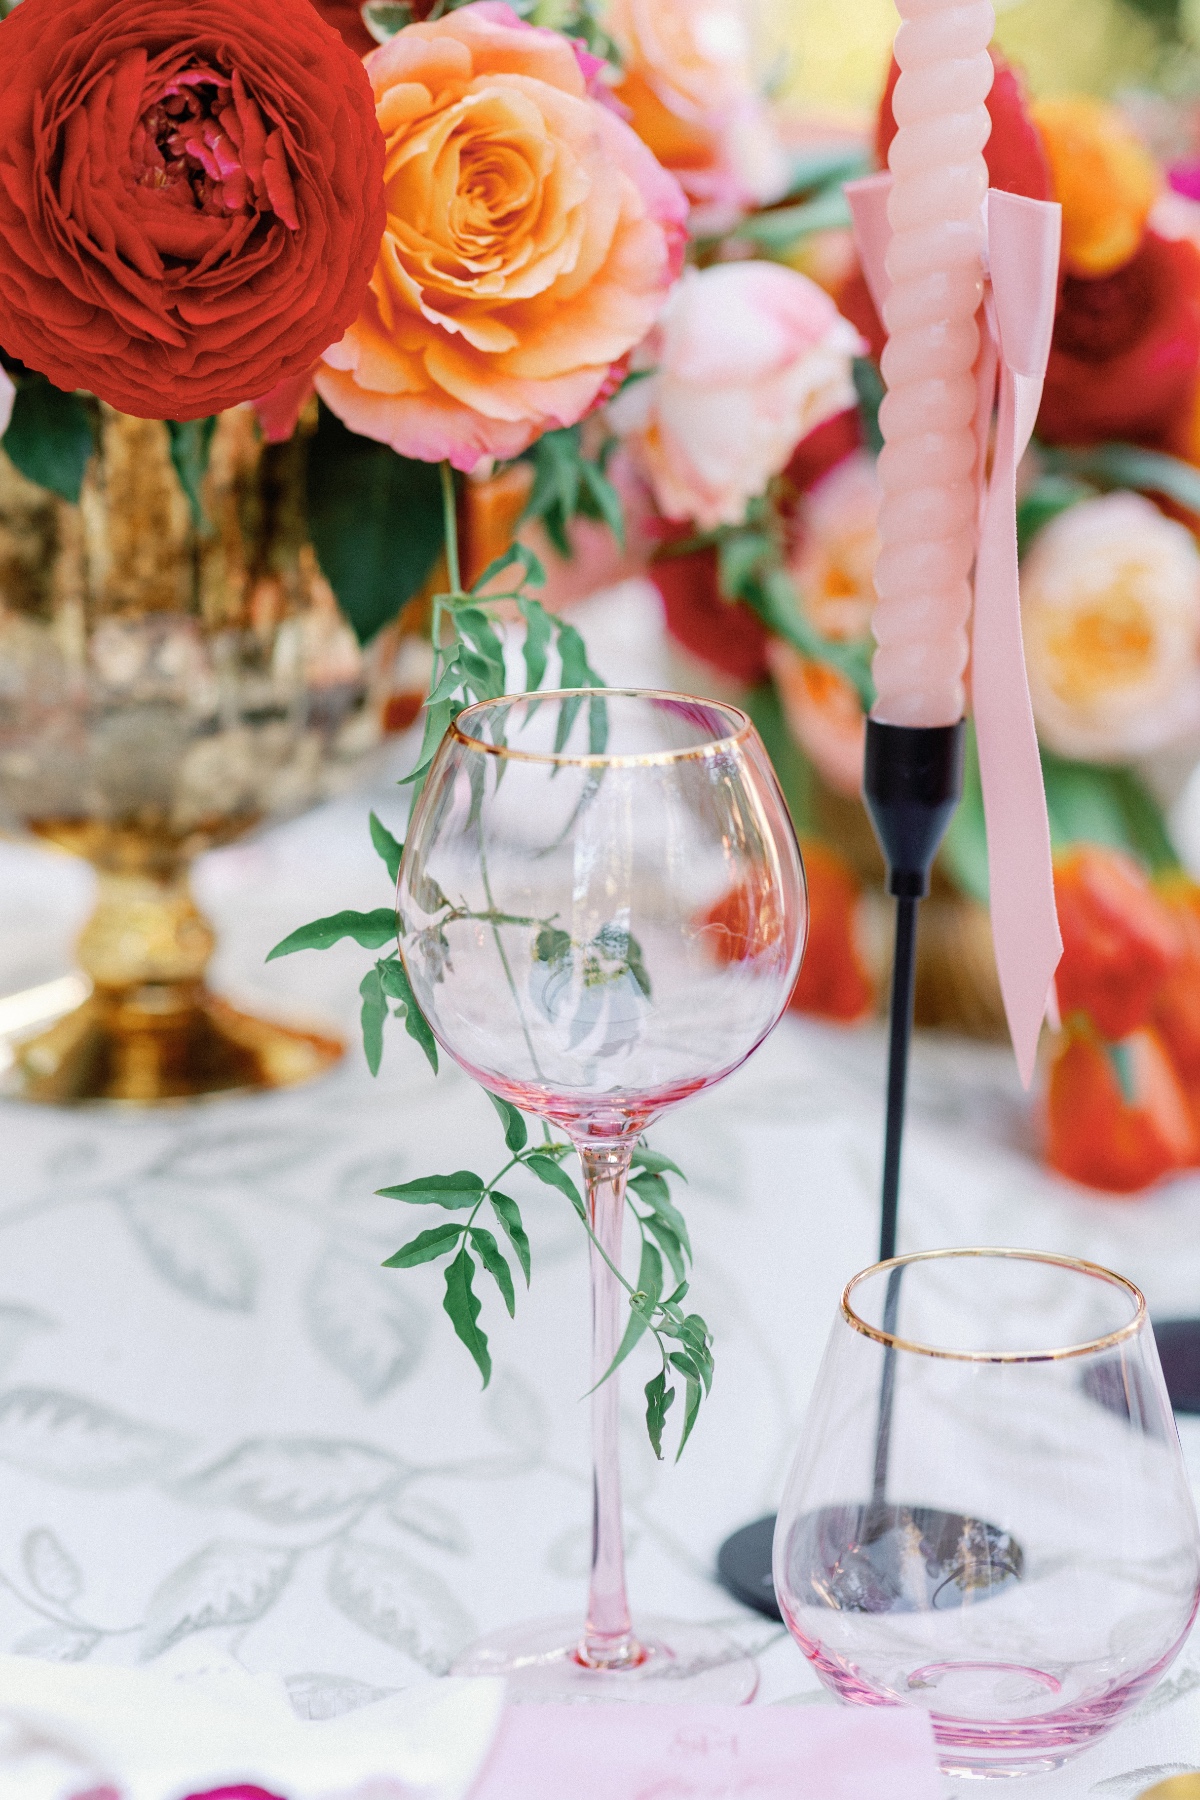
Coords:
602,912
989,1517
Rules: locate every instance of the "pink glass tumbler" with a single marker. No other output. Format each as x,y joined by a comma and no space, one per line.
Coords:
989,1516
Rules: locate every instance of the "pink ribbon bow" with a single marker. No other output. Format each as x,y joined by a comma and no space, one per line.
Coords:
1016,324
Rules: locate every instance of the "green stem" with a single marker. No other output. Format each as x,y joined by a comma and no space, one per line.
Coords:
450,522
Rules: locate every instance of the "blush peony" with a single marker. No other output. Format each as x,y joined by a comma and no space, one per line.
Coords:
531,242
691,93
190,196
1110,607
750,358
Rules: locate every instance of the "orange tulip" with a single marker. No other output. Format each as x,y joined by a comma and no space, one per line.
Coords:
1117,1117
834,982
1120,940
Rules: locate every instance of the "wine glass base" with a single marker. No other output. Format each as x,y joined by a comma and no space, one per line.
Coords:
686,1664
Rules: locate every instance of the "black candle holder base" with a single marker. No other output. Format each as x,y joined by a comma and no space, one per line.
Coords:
744,1567
1179,1352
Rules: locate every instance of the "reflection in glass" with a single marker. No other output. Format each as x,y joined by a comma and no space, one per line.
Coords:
989,1516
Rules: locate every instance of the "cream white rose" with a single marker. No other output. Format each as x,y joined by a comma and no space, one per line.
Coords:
1110,603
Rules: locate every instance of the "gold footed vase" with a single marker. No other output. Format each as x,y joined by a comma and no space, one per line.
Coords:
151,1030
174,673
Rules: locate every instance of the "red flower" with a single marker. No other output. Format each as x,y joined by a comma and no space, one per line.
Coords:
723,633
191,196
1126,349
346,17
1120,941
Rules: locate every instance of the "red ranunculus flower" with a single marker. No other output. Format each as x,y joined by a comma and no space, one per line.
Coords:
346,16
1126,347
191,196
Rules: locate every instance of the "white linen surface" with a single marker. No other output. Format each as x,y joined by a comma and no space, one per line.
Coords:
224,1426
69,1730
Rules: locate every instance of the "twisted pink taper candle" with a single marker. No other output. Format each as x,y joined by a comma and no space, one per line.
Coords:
928,518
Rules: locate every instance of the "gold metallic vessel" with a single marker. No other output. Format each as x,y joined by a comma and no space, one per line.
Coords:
174,671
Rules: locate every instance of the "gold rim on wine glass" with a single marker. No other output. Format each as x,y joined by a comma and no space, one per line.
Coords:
742,730
891,1341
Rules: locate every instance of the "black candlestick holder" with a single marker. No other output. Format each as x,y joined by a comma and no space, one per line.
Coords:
912,784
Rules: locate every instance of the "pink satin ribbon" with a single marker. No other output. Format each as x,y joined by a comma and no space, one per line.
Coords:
1016,325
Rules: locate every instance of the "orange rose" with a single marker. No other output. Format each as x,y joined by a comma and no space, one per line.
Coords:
691,94
530,244
1105,178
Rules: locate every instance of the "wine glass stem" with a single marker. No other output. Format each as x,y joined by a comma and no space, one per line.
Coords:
608,1641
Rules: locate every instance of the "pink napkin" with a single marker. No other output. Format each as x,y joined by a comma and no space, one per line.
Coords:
711,1753
1016,325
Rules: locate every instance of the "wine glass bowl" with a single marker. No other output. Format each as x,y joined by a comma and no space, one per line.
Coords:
602,912
602,905
989,1516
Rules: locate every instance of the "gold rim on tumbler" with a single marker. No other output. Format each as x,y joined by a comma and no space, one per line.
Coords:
891,1341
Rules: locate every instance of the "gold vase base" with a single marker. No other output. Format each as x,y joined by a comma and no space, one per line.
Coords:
157,1046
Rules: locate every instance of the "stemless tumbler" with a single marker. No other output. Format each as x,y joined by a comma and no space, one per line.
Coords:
602,910
989,1517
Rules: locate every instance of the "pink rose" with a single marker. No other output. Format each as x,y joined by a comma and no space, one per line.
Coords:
531,242
750,358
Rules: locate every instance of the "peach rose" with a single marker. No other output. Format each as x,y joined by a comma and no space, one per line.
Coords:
750,358
690,89
1110,607
531,242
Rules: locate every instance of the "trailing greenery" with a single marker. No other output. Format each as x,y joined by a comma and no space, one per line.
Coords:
50,436
470,666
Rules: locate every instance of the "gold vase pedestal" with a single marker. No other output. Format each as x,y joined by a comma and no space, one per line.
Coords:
174,673
151,1030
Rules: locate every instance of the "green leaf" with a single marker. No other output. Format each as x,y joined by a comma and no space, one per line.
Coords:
669,1239
600,499
773,597
780,229
437,723
649,1288
653,1190
1049,497
375,520
691,1411
387,847
371,930
516,1132
191,441
509,1215
869,386
964,852
531,565
374,1015
577,672
462,1306
426,1248
548,1171
398,987
654,1162
792,767
1121,1060
1125,466
492,1258
659,1399
49,436
552,945
823,167
448,683
456,1192
1095,803
539,629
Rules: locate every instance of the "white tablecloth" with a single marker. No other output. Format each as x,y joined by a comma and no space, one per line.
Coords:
223,1428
